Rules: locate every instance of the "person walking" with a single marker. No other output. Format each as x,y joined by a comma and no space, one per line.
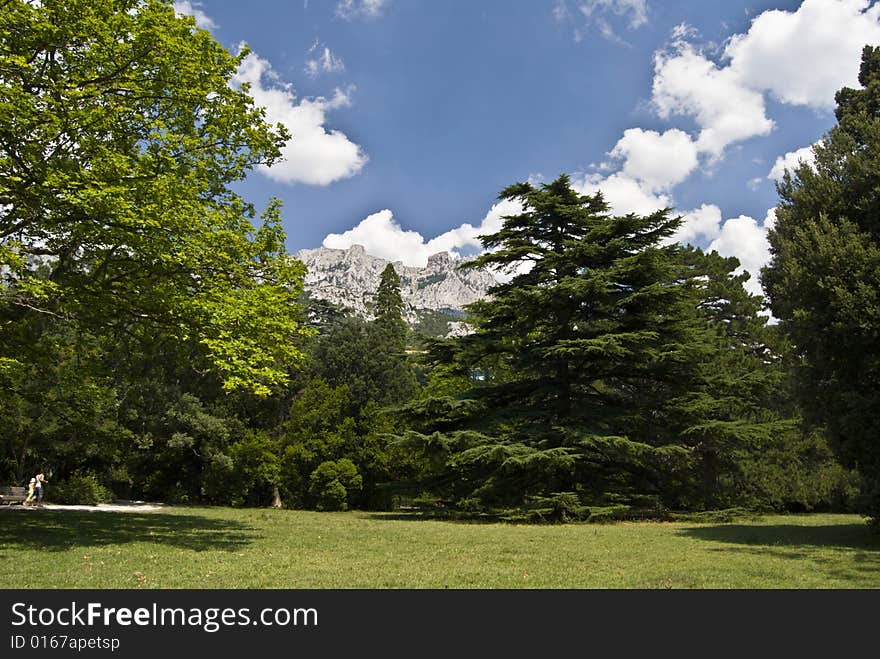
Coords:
32,484
38,486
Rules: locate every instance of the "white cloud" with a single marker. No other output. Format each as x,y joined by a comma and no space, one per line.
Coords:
352,9
314,155
790,161
799,57
657,160
382,236
804,57
623,194
702,224
325,62
194,9
745,239
687,83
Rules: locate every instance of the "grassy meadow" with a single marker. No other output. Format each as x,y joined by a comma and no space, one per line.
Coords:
247,548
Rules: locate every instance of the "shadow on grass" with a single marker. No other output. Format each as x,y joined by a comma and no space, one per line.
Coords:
791,536
849,553
51,530
415,516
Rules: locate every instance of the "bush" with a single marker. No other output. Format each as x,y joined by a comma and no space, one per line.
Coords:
254,471
332,482
81,489
331,496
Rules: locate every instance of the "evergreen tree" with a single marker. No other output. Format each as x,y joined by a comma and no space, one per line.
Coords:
744,428
360,355
389,308
584,350
823,280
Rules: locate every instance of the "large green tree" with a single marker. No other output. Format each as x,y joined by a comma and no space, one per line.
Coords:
823,280
583,350
120,134
611,368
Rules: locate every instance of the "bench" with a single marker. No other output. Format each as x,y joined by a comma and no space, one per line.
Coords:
13,494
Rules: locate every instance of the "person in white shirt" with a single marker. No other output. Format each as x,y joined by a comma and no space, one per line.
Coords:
38,486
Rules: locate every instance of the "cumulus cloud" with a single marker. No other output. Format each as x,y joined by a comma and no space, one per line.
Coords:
698,226
324,61
745,239
657,160
381,235
194,9
687,83
790,161
353,9
623,193
314,155
799,57
803,57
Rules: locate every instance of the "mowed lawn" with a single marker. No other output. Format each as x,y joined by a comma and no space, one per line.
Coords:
234,548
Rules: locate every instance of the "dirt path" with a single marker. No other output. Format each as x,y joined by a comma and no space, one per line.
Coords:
116,507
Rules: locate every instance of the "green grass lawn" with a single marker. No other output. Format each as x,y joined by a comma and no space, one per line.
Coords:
234,548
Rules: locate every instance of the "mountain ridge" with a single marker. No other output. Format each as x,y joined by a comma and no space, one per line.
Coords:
350,277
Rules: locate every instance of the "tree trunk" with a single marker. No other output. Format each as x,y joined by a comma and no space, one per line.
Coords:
276,497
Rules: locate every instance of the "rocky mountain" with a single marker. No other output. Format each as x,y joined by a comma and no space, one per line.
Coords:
349,277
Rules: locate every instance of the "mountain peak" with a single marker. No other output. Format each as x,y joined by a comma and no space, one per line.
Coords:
350,277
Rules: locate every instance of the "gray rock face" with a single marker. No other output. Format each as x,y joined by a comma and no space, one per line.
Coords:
349,277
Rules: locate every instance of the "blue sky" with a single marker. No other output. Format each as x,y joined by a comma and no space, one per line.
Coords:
410,115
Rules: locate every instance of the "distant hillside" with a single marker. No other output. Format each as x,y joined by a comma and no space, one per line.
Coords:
434,296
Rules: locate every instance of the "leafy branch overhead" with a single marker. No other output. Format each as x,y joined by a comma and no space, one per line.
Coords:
120,135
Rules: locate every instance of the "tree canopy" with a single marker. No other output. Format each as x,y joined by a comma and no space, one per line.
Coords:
120,134
823,280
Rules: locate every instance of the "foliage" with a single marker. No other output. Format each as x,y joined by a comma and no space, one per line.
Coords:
358,354
332,483
81,489
616,373
583,349
824,277
435,323
120,134
389,308
255,469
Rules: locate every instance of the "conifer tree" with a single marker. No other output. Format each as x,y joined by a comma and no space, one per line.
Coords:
389,308
596,335
823,280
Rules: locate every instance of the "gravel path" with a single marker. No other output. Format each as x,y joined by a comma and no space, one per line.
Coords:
117,507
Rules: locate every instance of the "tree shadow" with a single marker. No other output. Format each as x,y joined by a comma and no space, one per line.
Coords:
417,516
51,530
841,536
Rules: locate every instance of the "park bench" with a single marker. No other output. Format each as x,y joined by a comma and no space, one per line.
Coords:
13,494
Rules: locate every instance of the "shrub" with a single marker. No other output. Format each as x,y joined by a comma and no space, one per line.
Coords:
255,470
81,489
331,484
331,496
